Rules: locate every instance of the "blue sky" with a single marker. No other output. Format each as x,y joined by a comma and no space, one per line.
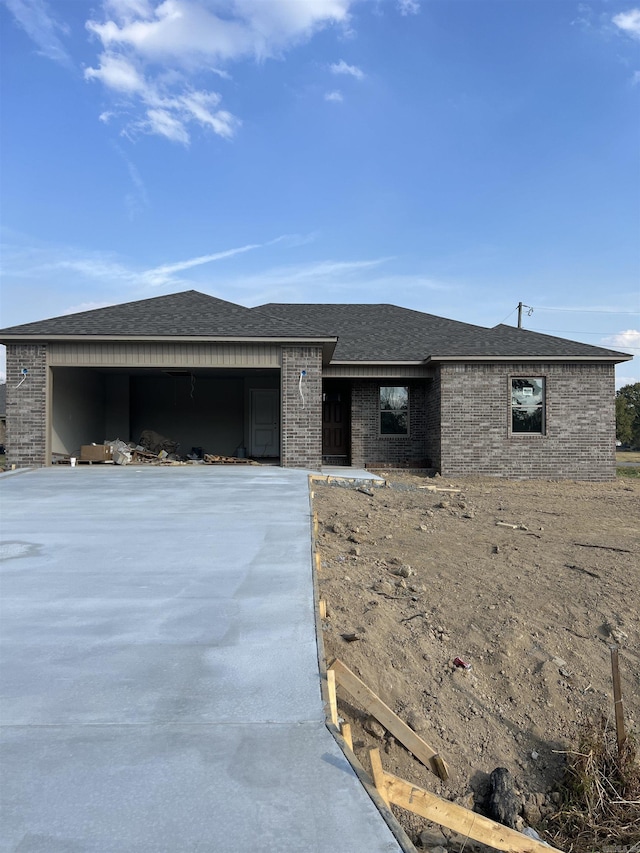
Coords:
451,156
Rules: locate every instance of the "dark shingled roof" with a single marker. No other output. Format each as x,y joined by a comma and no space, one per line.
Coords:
186,314
377,333
389,333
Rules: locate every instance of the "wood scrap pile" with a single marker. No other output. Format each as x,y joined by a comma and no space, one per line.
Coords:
215,459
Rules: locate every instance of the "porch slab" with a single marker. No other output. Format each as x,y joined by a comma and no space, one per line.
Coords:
357,476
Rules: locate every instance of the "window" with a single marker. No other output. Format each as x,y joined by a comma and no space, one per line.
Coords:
527,405
394,410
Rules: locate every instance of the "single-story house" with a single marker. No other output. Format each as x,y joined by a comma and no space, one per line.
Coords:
360,385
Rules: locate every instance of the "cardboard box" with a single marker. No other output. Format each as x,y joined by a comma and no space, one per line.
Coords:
95,453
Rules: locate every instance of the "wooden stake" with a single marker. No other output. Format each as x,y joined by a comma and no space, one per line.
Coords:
398,728
322,608
617,700
315,525
345,731
333,703
378,773
465,822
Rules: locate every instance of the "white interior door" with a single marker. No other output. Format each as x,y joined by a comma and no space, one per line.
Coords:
265,422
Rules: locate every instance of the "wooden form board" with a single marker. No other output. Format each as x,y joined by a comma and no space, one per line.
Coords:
399,729
396,791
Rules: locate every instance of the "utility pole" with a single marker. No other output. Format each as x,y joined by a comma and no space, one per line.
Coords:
521,305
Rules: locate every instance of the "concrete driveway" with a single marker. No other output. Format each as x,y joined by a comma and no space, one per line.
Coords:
160,688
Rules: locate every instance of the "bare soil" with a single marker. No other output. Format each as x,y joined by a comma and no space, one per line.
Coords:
423,577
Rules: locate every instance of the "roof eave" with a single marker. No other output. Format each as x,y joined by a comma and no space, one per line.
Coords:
615,359
354,362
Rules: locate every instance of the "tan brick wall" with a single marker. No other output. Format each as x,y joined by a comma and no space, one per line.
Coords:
27,405
301,414
579,441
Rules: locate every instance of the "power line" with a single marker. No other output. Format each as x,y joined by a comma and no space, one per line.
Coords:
574,332
587,311
507,317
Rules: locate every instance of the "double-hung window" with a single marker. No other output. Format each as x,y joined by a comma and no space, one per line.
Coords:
394,410
528,405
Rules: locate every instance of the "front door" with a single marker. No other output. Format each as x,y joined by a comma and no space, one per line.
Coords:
336,408
265,422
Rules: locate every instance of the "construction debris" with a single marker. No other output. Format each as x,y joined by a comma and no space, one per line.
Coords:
152,449
213,459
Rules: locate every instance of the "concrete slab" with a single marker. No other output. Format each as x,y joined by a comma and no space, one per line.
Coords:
159,668
344,472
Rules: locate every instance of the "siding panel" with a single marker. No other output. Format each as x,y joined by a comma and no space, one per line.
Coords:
164,355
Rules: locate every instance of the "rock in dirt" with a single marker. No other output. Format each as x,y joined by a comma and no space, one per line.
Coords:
416,721
503,802
352,636
373,727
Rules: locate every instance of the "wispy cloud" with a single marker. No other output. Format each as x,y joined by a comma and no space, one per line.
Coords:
85,306
167,113
629,22
351,70
136,201
102,267
335,96
39,23
361,280
162,275
408,7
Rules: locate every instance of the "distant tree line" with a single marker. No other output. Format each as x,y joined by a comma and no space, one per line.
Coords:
628,414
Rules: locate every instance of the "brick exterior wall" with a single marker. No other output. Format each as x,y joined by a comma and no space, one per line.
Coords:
580,422
368,447
27,405
301,423
433,428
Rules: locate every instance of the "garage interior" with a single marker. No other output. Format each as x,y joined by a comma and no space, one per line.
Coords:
220,411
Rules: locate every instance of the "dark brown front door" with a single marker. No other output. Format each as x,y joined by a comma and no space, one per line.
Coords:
336,407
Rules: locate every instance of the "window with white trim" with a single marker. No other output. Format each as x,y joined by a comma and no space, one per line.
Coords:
528,405
394,410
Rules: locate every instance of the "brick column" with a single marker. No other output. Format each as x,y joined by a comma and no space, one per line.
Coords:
301,413
27,405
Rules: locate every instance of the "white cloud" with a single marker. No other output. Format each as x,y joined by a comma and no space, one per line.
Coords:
117,73
627,340
408,7
191,30
629,22
34,17
342,68
153,53
334,96
635,79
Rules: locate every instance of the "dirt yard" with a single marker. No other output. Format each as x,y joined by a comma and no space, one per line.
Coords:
528,582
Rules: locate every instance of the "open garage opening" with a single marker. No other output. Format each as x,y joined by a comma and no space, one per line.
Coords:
217,411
